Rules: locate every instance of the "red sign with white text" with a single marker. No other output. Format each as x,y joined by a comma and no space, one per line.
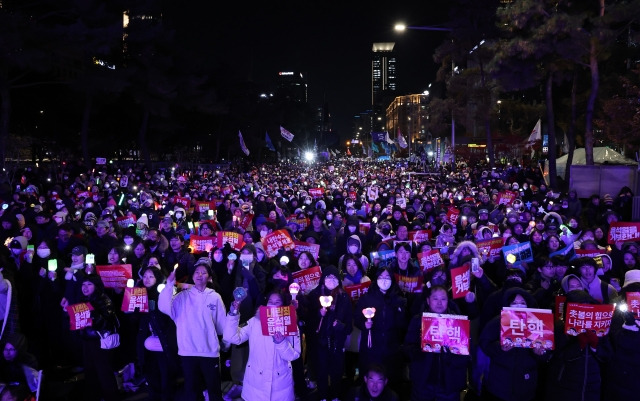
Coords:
357,290
276,240
624,231
583,317
506,197
278,319
232,238
633,303
300,247
490,247
450,331
452,215
114,276
460,280
316,192
409,284
420,236
308,279
135,298
204,206
80,315
527,328
430,260
199,244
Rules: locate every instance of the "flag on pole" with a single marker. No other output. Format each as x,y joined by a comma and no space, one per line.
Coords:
269,143
242,145
286,134
535,135
387,139
375,147
401,141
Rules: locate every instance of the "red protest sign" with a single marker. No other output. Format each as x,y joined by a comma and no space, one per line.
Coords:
490,247
204,206
506,197
353,195
232,238
419,236
276,240
430,260
80,315
278,319
199,244
364,228
527,328
302,223
300,247
460,280
440,331
633,303
126,221
114,276
308,279
624,231
246,220
583,317
316,192
184,202
135,299
452,215
409,284
357,290
558,307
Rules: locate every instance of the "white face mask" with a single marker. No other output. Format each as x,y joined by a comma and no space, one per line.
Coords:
329,217
353,248
128,240
384,283
263,233
43,252
352,229
246,260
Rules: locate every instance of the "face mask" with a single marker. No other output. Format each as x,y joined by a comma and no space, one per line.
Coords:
307,202
384,283
16,251
329,217
218,257
352,229
178,215
263,233
331,284
59,206
246,260
43,252
128,240
88,205
353,248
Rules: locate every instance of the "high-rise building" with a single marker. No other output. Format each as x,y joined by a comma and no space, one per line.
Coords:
292,86
383,76
409,115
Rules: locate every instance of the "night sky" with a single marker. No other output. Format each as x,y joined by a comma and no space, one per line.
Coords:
331,41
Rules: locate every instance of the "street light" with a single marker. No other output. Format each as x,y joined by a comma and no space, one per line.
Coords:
400,27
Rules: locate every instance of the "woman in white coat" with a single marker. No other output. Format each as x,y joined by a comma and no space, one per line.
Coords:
268,375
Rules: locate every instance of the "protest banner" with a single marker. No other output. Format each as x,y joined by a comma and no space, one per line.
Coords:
506,197
623,231
633,303
452,215
527,327
276,240
308,279
567,253
184,202
79,315
409,284
583,317
278,319
126,221
490,247
353,195
302,223
357,290
316,192
521,252
461,280
589,253
430,259
232,238
135,299
114,276
200,244
300,246
364,228
419,236
204,206
246,220
440,331
558,307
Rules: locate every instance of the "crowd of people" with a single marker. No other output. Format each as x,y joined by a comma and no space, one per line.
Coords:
202,326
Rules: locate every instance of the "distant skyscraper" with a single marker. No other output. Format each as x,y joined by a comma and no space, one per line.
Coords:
292,86
383,76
